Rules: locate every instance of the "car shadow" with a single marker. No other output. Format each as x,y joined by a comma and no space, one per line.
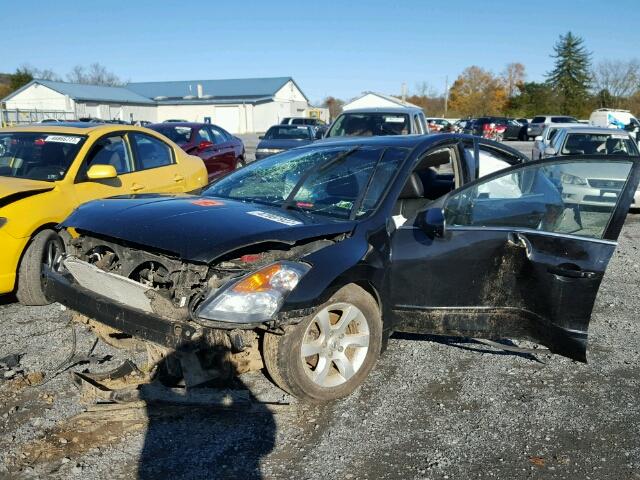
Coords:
223,434
468,344
7,299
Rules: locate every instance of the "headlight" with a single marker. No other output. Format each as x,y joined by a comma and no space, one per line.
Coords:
269,150
2,221
572,179
255,297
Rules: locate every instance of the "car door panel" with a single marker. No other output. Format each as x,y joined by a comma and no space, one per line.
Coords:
507,277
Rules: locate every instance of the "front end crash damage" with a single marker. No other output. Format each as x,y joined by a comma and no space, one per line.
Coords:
158,297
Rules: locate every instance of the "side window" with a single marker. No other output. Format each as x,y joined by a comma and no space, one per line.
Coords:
218,136
297,121
490,162
417,124
558,197
111,150
150,152
204,135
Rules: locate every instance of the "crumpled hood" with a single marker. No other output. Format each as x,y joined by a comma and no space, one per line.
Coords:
11,187
198,229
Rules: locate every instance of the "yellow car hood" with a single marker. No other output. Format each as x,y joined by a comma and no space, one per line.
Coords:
12,188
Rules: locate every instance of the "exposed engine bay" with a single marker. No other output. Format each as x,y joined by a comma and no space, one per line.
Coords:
174,287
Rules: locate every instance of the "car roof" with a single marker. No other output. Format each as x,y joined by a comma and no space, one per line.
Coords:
288,125
568,125
384,110
179,124
406,141
74,128
599,130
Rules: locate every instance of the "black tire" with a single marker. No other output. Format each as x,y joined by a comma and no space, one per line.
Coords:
241,162
282,354
30,291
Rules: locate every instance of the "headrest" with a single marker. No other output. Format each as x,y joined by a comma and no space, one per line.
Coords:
413,188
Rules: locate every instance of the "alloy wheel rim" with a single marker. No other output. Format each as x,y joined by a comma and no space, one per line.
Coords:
52,255
335,344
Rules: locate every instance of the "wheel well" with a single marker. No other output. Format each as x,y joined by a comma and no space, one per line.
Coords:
46,226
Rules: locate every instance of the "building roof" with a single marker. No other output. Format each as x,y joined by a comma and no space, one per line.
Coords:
396,100
237,89
240,90
95,93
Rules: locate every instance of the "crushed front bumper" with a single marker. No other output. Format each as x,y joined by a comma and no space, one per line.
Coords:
62,288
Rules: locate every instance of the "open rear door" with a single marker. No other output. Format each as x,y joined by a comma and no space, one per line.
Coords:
522,256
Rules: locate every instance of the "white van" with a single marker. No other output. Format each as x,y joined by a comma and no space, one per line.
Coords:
609,118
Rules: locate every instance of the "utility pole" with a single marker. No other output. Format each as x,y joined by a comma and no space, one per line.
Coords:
446,95
404,92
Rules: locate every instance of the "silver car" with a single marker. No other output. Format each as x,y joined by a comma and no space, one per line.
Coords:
539,123
598,187
542,141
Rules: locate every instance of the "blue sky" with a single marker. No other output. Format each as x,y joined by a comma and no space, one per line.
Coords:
338,48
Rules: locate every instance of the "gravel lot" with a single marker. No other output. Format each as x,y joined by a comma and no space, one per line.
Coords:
431,409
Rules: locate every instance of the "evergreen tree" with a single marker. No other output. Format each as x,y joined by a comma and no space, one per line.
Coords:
570,78
21,77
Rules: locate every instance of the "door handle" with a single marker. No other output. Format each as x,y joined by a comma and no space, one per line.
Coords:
572,271
178,178
136,187
516,240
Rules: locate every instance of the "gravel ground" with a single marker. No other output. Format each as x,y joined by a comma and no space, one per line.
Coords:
430,409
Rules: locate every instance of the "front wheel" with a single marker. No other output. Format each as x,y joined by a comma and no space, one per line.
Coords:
44,251
329,353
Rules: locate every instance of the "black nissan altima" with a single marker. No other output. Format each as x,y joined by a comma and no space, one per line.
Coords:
313,257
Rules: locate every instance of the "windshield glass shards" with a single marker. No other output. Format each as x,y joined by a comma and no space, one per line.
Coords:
331,181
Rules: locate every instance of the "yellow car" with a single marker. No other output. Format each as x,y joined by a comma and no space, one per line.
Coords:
46,171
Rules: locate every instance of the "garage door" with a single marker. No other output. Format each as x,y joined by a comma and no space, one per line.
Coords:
228,118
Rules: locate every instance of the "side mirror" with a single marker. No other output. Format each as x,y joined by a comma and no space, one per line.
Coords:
319,134
204,144
550,151
101,172
431,221
538,138
261,137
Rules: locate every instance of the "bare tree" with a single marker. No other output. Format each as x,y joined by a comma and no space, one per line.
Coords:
513,77
618,78
334,105
424,89
40,74
96,74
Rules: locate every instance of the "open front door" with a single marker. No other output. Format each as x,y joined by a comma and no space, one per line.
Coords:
522,255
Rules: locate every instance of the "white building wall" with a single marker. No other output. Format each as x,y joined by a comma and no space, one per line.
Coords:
39,97
290,92
369,101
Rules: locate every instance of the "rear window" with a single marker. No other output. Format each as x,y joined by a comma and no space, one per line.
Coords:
370,124
538,120
563,120
177,134
287,133
600,144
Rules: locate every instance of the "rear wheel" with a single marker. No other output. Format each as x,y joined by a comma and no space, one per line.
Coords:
44,251
331,351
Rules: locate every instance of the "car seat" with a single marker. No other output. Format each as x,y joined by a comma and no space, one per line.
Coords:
412,197
52,163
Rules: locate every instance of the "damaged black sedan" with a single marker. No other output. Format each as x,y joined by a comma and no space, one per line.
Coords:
313,257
